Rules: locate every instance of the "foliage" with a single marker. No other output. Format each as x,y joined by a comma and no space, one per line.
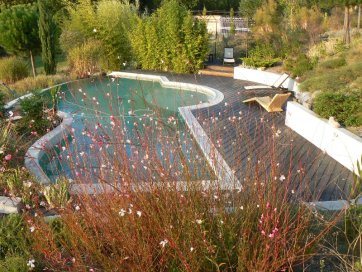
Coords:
141,230
15,237
18,182
345,107
268,26
47,34
333,63
57,195
19,29
11,144
13,69
298,65
115,21
34,120
31,84
248,8
85,59
262,55
106,22
170,40
232,22
14,264
311,20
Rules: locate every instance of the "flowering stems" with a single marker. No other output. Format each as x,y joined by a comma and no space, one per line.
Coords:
149,222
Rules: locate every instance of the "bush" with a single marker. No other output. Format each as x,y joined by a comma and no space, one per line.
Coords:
85,59
262,55
13,69
299,65
170,40
14,264
345,107
334,80
333,63
33,116
31,84
14,238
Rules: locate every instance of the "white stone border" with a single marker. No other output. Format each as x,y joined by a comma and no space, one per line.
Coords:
222,170
49,140
12,103
340,144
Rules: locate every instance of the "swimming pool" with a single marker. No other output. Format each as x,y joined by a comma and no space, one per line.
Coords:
126,128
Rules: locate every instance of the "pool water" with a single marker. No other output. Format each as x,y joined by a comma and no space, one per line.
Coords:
126,129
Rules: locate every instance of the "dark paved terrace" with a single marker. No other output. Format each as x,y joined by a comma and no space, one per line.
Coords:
252,140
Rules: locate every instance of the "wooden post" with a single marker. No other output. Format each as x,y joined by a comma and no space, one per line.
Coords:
32,63
346,27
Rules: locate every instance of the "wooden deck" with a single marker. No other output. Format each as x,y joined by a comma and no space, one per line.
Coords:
257,144
252,141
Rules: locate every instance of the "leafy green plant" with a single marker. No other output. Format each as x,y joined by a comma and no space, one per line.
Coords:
298,65
333,63
13,69
345,107
170,40
18,182
85,60
262,55
34,119
15,236
19,30
48,34
14,264
57,195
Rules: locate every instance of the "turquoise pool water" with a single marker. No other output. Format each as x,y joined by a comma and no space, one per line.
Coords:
126,129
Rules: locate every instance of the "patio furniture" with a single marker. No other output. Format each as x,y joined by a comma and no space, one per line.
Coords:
229,55
270,104
276,85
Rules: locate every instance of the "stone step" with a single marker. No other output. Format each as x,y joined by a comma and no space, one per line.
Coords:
216,73
220,68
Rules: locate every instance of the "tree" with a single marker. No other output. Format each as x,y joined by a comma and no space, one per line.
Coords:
248,8
19,30
170,40
47,34
347,4
232,22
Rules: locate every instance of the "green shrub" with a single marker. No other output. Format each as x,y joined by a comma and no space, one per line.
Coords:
85,59
31,84
14,238
170,40
333,80
345,107
262,55
33,116
298,65
57,195
13,69
14,264
333,63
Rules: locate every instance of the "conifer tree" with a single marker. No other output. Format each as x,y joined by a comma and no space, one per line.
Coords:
19,30
47,34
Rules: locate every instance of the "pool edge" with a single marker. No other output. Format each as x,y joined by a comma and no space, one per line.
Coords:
222,170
